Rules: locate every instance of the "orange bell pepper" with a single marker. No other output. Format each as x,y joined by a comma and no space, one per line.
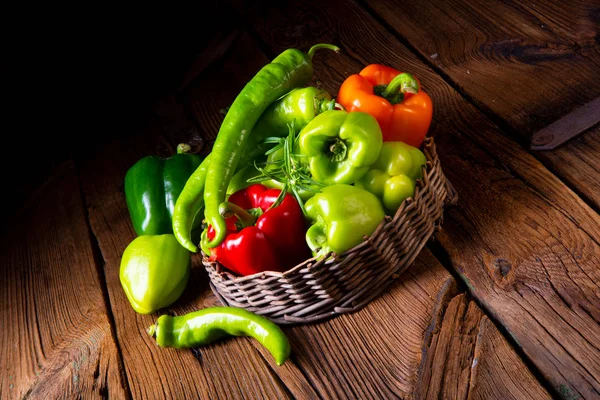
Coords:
395,99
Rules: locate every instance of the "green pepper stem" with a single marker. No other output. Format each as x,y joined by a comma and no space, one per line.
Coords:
228,209
402,83
325,105
339,106
183,148
318,46
337,149
151,330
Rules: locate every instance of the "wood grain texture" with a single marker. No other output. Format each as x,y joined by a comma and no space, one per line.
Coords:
514,59
525,244
578,161
56,335
468,358
375,352
558,132
496,372
500,64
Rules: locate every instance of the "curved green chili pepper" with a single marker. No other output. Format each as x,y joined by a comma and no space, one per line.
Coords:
188,205
290,69
298,107
205,326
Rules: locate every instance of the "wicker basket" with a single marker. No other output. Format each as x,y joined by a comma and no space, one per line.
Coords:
317,290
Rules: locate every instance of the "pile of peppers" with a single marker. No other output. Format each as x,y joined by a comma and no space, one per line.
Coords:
294,173
297,173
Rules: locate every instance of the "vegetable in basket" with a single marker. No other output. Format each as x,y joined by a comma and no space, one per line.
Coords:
297,108
294,109
265,232
203,327
340,146
154,271
152,186
290,69
393,176
395,99
340,216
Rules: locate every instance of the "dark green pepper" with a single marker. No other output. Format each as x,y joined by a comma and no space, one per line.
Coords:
152,186
208,325
154,271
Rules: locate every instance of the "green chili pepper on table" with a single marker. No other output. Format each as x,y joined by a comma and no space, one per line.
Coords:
392,178
189,204
290,69
152,186
208,325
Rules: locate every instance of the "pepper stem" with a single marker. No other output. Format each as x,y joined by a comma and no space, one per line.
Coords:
318,46
325,105
151,330
395,90
183,148
245,218
337,149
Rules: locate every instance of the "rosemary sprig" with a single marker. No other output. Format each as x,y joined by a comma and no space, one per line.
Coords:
291,170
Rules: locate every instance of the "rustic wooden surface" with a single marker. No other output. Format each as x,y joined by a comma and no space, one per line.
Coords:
503,303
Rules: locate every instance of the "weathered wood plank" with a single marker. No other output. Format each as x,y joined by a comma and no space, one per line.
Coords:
402,345
467,357
493,372
568,126
56,335
501,52
578,162
526,245
529,64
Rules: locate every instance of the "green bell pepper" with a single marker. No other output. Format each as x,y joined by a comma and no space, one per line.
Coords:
152,186
340,146
393,176
340,215
154,271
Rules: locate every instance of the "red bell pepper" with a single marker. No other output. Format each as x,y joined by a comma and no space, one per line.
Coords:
395,99
260,238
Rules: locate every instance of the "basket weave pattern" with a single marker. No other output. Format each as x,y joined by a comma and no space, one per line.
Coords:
316,290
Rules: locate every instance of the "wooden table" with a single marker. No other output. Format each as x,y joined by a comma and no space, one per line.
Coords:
504,301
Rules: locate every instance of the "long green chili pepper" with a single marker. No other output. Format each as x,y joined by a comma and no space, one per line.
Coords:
297,108
210,324
188,205
290,69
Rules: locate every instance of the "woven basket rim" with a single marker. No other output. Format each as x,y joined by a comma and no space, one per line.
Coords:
332,257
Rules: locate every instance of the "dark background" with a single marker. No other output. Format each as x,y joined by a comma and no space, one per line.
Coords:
74,78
